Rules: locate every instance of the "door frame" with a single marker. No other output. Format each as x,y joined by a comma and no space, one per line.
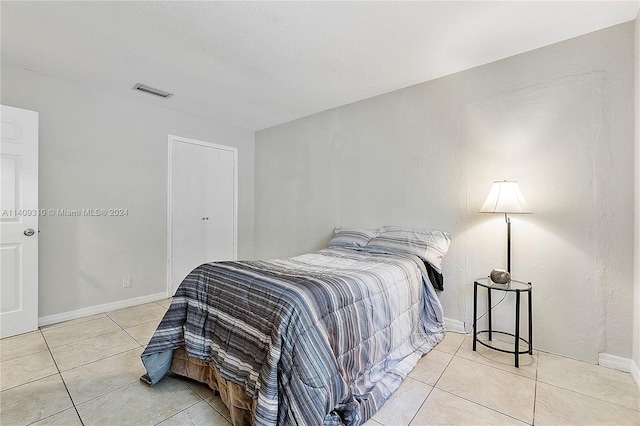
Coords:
25,318
172,140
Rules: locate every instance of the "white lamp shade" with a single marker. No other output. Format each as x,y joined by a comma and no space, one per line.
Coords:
505,197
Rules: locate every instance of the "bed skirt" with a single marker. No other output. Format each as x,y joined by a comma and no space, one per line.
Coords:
241,406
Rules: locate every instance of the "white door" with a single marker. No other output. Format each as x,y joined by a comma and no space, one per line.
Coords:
18,221
202,205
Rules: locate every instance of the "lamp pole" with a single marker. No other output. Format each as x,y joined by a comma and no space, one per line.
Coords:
508,220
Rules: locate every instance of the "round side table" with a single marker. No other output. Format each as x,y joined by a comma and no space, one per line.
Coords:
517,287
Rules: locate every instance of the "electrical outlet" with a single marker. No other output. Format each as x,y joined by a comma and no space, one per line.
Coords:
126,281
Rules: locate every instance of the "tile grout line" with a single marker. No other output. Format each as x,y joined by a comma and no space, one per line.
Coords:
439,377
31,380
81,340
575,391
75,407
181,411
432,387
493,409
101,359
484,406
143,347
181,379
186,381
62,379
587,396
535,389
216,410
110,356
495,368
71,323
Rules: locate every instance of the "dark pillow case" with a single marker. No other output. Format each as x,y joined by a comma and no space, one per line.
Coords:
435,277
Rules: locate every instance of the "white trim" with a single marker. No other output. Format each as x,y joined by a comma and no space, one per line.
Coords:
622,364
99,309
455,326
615,362
635,373
171,140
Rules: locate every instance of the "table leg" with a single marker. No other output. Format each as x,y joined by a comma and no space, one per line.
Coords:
489,307
475,314
530,324
517,349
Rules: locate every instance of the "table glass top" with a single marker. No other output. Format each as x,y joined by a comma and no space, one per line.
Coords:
513,285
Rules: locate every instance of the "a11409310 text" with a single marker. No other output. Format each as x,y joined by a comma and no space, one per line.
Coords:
8,213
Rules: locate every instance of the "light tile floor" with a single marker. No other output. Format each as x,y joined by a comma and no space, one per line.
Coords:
86,372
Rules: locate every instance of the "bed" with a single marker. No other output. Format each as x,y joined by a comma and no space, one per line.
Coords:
323,338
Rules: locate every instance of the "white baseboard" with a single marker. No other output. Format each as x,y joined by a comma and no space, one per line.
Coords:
635,373
107,307
455,326
615,362
623,364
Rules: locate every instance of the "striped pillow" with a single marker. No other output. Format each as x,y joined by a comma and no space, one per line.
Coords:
429,245
351,237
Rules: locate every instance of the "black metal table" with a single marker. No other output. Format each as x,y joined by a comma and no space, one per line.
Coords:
517,287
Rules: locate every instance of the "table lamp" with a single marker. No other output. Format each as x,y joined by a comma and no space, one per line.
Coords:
505,197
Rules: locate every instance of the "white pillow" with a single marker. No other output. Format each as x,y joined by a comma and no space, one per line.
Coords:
428,244
351,237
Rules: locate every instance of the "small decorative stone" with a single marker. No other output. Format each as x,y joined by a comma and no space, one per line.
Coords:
500,276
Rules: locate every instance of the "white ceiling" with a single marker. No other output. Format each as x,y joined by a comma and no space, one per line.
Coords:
257,64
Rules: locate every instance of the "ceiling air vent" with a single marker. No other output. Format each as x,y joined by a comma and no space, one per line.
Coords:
152,91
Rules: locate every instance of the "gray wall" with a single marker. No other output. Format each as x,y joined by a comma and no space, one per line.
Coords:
99,150
560,120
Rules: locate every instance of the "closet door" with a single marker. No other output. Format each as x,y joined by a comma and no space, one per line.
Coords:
202,206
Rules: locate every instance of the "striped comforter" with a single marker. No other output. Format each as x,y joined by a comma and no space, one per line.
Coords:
322,338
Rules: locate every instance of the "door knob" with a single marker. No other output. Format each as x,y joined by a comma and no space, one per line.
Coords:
29,232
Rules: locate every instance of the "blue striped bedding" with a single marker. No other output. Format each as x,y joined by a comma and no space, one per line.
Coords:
322,338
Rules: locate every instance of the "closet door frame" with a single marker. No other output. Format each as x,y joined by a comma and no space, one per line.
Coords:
172,140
